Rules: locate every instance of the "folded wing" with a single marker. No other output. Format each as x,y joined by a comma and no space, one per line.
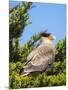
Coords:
39,58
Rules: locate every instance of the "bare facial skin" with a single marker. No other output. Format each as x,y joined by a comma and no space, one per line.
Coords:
51,37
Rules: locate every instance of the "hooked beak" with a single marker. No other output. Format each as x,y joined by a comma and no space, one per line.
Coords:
54,38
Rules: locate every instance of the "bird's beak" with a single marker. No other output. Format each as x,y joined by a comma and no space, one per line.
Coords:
54,38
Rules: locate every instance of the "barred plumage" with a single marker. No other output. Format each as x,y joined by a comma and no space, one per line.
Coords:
40,58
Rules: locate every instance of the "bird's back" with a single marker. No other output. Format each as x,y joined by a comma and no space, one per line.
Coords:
40,58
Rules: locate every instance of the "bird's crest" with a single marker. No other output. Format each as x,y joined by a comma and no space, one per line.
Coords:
45,33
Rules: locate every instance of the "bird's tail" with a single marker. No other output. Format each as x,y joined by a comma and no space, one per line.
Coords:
23,73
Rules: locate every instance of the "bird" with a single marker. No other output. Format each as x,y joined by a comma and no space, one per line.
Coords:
41,57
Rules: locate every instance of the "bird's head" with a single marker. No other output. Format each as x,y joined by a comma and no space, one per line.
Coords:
50,36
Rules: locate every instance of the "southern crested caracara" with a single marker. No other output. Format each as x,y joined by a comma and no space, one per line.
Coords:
41,57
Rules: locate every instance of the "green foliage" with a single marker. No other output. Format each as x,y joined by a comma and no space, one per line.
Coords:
18,20
14,80
54,76
40,80
61,50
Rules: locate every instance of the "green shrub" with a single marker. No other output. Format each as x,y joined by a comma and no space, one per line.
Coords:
55,76
14,80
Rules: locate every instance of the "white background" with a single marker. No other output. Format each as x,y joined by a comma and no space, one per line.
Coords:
4,44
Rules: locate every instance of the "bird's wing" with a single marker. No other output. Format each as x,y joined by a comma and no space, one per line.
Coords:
30,56
43,55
